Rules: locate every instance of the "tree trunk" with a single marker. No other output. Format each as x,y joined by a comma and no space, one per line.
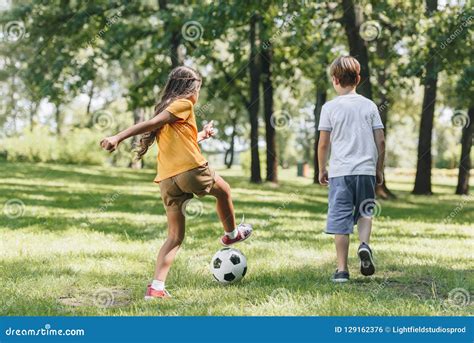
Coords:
254,104
176,58
465,161
32,113
423,167
229,154
357,46
382,190
320,100
175,41
91,96
58,118
272,160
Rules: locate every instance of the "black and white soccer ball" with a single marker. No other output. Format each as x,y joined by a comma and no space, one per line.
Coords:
228,265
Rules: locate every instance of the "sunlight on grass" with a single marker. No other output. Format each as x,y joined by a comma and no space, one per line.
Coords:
87,239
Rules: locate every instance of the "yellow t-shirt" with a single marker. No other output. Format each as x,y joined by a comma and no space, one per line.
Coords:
178,150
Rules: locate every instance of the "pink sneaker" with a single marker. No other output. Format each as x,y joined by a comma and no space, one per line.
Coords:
152,293
243,232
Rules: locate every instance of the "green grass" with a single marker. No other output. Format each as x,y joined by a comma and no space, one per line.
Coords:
87,233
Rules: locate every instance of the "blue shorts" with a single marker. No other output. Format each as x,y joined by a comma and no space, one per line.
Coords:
350,197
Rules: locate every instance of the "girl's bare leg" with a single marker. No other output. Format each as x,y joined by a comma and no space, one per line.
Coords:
225,206
176,228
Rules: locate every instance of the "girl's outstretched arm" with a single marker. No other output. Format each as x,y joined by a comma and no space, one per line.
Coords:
111,143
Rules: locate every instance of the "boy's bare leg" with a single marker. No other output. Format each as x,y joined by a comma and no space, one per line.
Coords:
364,227
176,228
225,206
342,250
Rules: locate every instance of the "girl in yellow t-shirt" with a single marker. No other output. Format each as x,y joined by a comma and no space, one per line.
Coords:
182,170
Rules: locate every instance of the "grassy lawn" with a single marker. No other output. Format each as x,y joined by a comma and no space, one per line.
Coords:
85,243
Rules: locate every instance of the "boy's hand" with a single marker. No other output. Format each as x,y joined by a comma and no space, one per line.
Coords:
379,177
323,177
110,143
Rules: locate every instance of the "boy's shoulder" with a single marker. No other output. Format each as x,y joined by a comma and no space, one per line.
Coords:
356,100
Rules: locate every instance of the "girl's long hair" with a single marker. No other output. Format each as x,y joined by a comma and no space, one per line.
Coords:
182,83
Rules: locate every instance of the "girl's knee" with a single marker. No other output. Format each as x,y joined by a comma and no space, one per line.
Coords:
176,240
223,190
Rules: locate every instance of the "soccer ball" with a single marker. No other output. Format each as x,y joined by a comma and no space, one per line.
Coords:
228,265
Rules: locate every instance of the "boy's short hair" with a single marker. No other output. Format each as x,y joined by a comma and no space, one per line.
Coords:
346,69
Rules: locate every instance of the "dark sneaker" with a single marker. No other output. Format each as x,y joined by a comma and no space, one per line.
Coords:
367,266
340,276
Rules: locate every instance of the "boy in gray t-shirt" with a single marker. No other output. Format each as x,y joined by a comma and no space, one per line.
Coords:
351,126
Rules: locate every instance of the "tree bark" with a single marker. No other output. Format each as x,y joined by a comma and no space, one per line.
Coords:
32,113
382,190
175,41
176,58
58,118
424,158
321,94
465,162
229,154
254,104
272,160
357,46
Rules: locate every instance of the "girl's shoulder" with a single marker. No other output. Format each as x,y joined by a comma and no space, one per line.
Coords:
182,102
181,108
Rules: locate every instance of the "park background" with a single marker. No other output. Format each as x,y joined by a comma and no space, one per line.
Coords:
80,228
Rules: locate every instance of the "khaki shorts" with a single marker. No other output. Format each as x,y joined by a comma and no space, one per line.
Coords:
177,189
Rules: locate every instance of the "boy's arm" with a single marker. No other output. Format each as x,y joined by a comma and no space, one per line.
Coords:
379,138
165,117
323,150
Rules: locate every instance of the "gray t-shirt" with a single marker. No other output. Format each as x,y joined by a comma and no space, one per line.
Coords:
351,119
